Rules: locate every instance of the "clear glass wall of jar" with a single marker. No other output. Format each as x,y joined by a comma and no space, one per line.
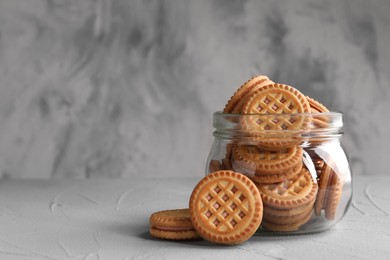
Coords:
296,161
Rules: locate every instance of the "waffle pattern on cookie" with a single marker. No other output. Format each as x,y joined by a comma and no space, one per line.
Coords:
226,207
290,193
276,99
288,204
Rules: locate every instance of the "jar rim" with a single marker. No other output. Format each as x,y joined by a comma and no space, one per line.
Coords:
307,124
330,113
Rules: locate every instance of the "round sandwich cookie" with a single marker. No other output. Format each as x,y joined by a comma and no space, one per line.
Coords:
287,227
275,99
288,212
260,84
226,208
243,90
172,224
284,220
264,161
329,192
291,193
317,107
276,178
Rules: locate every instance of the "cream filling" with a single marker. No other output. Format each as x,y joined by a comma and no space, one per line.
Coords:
173,228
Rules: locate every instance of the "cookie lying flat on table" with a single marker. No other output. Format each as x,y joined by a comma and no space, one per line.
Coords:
172,224
226,208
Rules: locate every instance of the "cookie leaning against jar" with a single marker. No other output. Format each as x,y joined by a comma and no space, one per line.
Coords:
226,208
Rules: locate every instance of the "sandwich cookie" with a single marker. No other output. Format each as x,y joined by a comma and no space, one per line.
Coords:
226,208
256,160
329,192
173,225
243,90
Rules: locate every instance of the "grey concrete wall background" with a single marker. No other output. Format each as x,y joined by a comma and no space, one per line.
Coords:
125,88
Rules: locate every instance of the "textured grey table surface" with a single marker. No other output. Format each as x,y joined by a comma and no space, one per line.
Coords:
108,219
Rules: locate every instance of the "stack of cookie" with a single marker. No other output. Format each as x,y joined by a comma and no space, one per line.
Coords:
288,204
274,161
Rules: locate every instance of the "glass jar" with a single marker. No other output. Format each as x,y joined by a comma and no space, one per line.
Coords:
295,160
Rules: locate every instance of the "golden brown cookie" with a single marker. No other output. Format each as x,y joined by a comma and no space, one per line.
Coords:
318,165
226,208
242,91
253,159
172,224
289,212
283,220
317,107
333,197
323,183
291,193
238,107
273,142
329,192
275,178
275,99
287,227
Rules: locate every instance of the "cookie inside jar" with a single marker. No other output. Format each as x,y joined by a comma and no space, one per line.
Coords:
289,145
